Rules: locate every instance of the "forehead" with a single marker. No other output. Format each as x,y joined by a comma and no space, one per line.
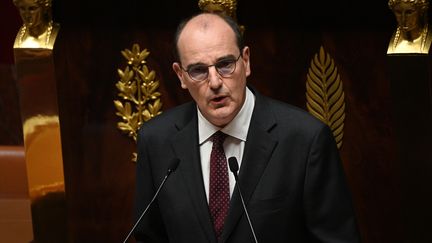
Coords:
26,3
405,7
206,36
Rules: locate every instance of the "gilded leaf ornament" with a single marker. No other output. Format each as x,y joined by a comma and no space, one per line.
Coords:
138,90
324,94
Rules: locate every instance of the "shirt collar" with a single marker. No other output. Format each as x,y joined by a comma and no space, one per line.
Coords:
237,128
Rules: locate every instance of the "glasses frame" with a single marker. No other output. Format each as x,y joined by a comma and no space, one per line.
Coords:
217,70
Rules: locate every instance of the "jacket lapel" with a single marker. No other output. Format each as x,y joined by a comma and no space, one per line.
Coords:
186,147
258,150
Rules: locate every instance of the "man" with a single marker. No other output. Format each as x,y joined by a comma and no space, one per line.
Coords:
290,174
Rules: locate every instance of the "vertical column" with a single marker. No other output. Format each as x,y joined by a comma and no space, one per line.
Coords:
43,154
33,51
412,108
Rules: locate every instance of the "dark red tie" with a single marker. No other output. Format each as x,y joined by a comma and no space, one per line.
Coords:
219,183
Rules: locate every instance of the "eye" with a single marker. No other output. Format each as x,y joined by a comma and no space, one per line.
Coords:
198,72
225,65
410,12
198,69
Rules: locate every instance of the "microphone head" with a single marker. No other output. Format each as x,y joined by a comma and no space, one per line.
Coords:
232,161
173,165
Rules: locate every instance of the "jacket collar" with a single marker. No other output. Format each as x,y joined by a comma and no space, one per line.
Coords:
186,147
259,147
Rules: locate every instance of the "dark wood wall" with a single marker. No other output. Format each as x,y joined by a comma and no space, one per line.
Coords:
10,119
283,38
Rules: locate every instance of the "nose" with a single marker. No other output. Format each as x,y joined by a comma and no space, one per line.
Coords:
214,79
403,19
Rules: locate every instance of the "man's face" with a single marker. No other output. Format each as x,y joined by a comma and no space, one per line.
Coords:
407,16
207,39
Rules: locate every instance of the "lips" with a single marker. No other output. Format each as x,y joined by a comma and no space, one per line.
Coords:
218,99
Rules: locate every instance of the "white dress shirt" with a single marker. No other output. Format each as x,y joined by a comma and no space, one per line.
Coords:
233,145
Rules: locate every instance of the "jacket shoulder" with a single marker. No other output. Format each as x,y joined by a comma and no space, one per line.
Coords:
169,119
287,114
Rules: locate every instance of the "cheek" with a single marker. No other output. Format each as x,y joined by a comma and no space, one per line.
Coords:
38,15
237,89
197,93
184,82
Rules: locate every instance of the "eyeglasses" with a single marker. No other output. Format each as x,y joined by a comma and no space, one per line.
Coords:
224,67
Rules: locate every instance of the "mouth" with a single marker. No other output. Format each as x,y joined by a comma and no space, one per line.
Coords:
218,100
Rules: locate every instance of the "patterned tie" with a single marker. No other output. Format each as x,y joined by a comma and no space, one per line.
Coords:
219,183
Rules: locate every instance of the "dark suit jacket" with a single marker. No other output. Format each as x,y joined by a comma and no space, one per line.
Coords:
291,178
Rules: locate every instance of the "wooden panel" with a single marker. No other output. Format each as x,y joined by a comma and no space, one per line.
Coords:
15,220
10,117
411,89
15,215
13,176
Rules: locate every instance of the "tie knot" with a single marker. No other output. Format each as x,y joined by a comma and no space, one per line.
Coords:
218,137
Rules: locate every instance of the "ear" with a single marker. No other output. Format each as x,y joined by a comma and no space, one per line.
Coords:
180,74
246,60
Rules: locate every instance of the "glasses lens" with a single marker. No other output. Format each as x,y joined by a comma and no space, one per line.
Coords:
198,72
225,67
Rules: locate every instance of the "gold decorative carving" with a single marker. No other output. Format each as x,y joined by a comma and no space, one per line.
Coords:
36,82
413,34
324,94
38,30
138,89
226,7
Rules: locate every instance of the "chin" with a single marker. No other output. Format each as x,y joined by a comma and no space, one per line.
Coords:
223,118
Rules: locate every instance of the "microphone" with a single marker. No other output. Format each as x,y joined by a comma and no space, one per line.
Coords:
232,161
171,168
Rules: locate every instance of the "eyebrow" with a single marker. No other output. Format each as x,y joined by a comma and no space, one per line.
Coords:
222,58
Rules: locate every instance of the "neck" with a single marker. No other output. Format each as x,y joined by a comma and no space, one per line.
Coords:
38,30
41,34
412,35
